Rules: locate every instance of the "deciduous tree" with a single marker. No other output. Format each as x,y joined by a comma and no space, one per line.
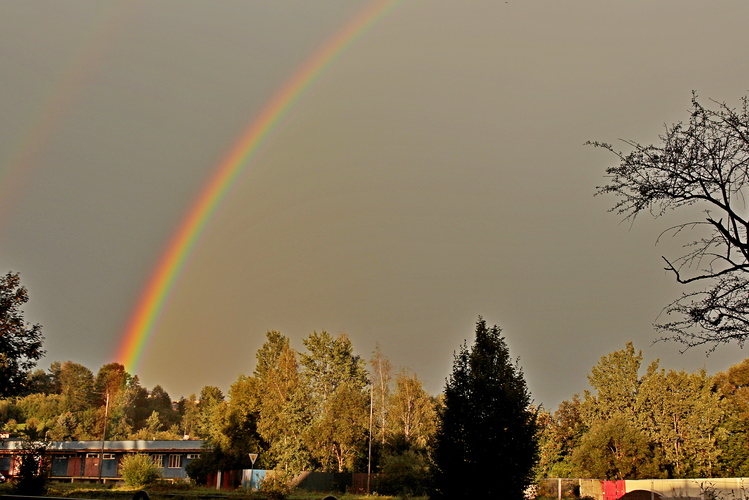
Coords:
559,436
681,414
283,412
616,383
210,407
703,164
20,342
335,379
615,449
733,387
381,375
412,413
76,387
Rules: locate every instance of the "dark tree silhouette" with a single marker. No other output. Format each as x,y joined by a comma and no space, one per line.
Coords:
486,443
20,343
702,163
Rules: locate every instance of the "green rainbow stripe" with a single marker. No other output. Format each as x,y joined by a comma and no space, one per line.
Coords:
144,318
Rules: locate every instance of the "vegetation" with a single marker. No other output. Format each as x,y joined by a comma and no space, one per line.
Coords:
20,343
703,164
487,434
313,410
139,470
656,424
181,491
34,466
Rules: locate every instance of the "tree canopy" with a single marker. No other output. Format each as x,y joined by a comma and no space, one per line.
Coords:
20,342
703,163
487,425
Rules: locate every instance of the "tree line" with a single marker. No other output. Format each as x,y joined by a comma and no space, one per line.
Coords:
657,424
324,408
309,409
305,410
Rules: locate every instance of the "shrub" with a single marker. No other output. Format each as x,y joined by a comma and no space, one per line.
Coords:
34,467
275,485
139,470
404,474
32,475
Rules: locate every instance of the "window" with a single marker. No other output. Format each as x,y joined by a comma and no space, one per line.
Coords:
193,456
92,455
109,456
158,460
175,461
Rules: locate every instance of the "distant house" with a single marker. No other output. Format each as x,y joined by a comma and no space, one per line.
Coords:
81,460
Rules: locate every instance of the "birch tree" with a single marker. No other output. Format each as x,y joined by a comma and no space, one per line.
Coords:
335,379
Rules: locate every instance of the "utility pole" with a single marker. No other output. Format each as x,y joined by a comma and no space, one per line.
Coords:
369,461
103,437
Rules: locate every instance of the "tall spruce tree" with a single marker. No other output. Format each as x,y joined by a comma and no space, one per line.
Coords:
486,444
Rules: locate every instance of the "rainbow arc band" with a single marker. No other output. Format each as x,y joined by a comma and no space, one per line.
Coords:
145,316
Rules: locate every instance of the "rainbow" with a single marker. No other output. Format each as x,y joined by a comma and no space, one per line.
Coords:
142,322
51,110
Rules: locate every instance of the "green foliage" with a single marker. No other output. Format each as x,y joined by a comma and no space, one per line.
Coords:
488,428
330,363
76,387
213,460
199,469
412,414
659,424
8,411
404,474
44,407
276,485
188,408
20,343
139,470
110,380
283,409
615,449
210,411
334,380
34,467
616,382
681,414
559,436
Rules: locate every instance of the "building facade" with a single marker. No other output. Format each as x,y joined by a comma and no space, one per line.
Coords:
88,460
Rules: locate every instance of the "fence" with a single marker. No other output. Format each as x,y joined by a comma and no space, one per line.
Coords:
645,489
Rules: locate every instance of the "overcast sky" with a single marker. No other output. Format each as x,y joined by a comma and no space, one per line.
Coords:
435,172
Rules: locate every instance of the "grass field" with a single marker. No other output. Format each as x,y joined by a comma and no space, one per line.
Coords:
182,492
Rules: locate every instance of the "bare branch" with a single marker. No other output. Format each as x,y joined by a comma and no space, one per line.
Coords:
703,162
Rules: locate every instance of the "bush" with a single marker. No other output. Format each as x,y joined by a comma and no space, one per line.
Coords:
275,485
139,470
32,474
405,474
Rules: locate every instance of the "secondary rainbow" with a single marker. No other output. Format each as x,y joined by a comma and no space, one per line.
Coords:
142,322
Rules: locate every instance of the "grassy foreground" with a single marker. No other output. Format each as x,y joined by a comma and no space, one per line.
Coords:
183,492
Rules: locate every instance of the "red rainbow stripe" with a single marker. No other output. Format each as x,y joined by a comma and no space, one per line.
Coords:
142,322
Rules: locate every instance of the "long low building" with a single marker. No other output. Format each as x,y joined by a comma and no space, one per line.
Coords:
85,461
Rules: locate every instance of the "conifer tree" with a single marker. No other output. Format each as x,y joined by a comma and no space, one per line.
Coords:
486,444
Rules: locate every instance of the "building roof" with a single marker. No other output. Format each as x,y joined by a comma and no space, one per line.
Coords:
127,446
